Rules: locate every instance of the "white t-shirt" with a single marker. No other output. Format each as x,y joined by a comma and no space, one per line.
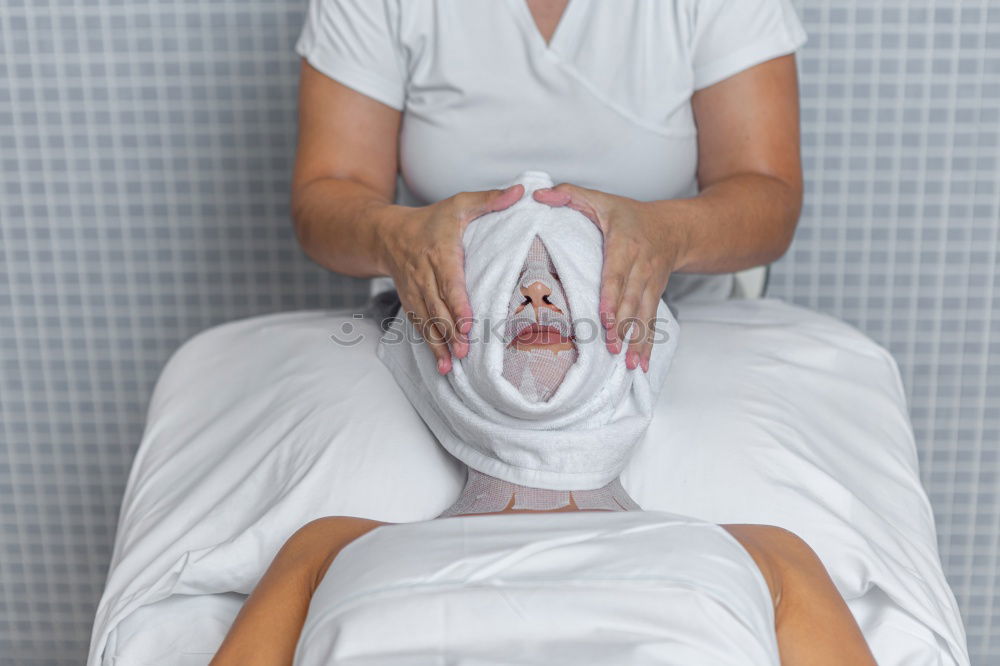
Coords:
606,105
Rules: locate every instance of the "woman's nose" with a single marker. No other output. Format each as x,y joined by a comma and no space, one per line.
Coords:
537,293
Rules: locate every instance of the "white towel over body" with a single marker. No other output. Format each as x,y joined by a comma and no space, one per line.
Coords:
575,588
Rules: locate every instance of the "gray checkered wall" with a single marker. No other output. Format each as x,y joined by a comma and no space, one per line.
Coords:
145,152
899,236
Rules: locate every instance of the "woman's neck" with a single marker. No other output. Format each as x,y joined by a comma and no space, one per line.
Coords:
485,494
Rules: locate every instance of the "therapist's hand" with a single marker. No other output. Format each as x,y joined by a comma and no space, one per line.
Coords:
422,251
640,253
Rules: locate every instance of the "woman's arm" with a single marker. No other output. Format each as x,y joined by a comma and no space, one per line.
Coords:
345,174
749,171
813,624
266,630
745,215
342,193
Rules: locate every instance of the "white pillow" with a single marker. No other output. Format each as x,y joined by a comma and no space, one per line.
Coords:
771,414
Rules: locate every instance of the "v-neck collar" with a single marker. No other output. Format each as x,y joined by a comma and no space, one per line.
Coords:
523,14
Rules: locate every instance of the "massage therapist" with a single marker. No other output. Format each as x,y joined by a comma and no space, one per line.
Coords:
673,125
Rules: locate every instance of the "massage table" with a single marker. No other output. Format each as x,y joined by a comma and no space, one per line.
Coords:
772,413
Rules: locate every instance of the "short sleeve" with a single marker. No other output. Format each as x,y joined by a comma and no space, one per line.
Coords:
356,42
732,35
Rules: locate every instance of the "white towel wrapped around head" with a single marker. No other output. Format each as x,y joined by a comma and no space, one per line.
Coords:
582,436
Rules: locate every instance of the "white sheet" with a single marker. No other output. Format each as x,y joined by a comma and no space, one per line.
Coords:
584,588
771,414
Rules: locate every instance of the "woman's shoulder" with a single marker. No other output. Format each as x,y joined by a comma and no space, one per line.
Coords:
320,540
774,549
337,531
805,597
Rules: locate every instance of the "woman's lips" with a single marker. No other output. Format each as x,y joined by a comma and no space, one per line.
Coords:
533,334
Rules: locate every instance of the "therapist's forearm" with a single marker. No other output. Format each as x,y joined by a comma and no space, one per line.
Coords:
341,223
739,222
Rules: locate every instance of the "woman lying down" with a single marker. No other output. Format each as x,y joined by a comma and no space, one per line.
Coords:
544,558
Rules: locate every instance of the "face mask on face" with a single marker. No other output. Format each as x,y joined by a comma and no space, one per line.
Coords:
538,349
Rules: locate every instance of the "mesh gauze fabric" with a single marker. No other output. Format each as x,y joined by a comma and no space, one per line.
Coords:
537,373
487,494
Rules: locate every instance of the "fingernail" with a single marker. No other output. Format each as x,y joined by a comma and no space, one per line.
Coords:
645,365
442,366
631,360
